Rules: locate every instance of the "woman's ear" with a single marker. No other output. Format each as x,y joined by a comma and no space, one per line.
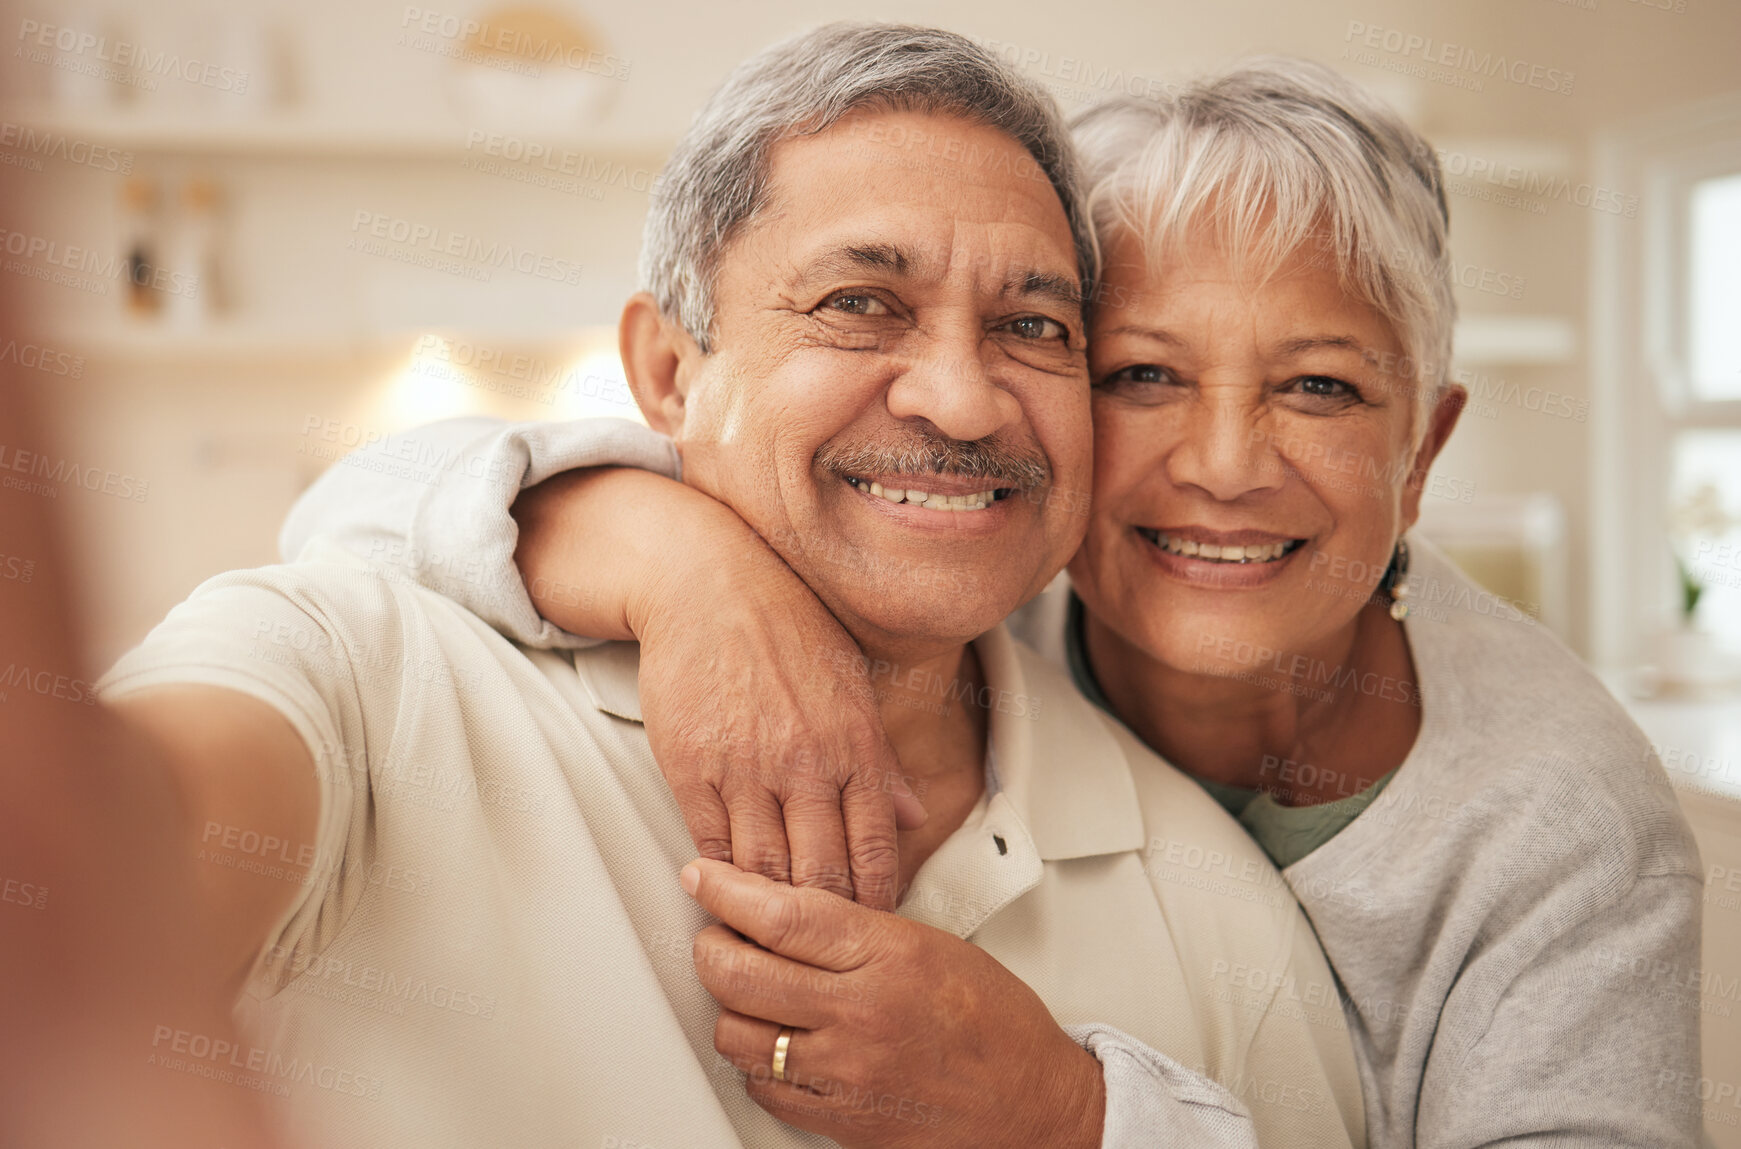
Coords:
659,358
1447,409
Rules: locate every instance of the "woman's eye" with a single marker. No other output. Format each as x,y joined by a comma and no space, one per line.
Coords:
1036,327
1141,373
856,303
1324,387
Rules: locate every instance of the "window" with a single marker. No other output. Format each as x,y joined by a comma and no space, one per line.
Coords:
1665,364
1714,293
1705,486
1705,522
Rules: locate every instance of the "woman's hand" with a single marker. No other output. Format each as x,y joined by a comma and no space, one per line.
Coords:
904,1035
755,699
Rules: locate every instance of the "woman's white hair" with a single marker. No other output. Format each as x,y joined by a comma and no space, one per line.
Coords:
716,179
1281,155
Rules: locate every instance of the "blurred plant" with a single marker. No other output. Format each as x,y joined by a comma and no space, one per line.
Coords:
1691,589
1700,514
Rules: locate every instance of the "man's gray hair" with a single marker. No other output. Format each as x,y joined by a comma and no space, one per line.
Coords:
1279,155
717,177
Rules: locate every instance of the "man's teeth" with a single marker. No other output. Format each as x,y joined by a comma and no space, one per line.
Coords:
977,501
1267,553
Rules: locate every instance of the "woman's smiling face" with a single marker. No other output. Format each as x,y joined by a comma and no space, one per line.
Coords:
1265,418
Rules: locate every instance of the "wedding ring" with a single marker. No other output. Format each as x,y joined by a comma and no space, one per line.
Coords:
781,1045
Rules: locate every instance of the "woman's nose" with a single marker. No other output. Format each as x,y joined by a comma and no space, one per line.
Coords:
1226,449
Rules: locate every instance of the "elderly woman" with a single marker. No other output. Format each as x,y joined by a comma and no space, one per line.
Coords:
1489,853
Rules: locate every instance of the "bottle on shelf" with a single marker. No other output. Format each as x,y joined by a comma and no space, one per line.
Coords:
140,225
199,294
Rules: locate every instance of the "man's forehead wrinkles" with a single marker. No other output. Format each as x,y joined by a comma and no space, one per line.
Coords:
1002,258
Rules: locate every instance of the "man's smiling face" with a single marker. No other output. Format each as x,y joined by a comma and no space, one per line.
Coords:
897,325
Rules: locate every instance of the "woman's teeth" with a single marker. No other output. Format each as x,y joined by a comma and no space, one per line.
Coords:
1267,553
977,501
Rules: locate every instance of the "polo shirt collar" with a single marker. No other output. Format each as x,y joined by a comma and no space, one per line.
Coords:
1058,766
1056,758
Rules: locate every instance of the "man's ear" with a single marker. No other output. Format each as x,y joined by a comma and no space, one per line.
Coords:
1447,409
660,359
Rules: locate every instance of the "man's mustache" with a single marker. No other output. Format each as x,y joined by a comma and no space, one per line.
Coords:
990,458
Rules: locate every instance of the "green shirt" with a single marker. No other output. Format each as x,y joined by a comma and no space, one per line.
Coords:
1286,833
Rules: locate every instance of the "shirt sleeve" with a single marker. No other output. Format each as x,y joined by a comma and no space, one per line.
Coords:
1594,1043
280,635
433,505
1153,1102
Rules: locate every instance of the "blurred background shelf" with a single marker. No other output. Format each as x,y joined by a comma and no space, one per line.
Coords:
240,343
319,137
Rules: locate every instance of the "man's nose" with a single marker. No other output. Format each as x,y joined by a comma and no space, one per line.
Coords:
1226,449
947,385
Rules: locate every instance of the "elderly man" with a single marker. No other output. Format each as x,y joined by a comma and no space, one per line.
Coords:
449,873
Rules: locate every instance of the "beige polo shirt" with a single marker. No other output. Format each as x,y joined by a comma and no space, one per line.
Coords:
493,949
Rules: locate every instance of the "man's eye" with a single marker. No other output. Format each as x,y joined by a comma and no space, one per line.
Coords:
1140,373
1036,327
856,303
